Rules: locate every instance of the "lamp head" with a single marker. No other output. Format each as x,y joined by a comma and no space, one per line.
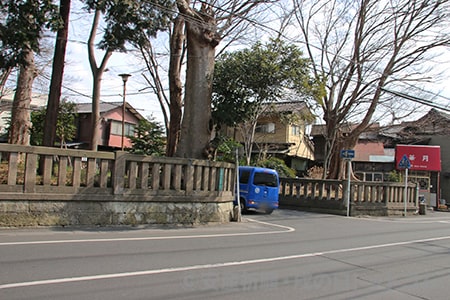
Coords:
124,77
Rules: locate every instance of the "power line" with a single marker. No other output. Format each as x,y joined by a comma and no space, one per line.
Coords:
416,99
399,94
268,28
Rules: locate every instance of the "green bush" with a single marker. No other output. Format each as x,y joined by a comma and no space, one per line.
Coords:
279,165
394,176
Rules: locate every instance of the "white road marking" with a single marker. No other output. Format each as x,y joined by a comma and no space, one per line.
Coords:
212,266
405,220
286,229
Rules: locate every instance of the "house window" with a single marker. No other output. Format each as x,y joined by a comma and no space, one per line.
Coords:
116,128
370,176
265,128
295,130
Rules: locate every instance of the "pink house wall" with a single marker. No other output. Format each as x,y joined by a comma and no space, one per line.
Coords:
116,140
106,138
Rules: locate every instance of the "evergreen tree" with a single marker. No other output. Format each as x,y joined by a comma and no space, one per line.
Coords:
148,139
22,26
246,81
65,125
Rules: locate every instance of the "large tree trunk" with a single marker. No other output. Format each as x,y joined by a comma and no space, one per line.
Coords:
337,165
57,77
339,137
95,117
20,114
197,125
176,86
4,75
97,73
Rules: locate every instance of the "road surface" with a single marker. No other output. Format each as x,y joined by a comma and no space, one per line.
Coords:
285,255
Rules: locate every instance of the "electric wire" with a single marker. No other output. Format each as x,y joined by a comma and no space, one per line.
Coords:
267,28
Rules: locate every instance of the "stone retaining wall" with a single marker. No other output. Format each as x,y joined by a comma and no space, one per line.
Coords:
104,213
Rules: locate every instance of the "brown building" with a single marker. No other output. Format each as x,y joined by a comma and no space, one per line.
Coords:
433,129
110,129
375,152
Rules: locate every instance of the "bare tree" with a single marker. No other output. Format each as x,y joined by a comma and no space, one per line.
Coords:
231,28
97,74
177,50
173,101
361,49
206,25
126,22
247,130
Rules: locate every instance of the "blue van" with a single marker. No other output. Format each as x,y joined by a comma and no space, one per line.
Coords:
258,189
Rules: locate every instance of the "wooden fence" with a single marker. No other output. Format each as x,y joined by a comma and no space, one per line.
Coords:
368,198
51,174
119,173
51,186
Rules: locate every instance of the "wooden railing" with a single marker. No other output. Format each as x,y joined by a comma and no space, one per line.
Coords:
52,174
331,195
45,170
140,174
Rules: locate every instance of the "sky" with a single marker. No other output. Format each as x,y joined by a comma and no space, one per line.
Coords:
78,78
78,82
77,85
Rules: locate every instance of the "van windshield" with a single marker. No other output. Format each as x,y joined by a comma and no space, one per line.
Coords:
266,179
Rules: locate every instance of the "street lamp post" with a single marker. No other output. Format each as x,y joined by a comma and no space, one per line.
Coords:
124,79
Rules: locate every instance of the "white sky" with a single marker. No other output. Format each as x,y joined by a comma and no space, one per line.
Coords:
77,85
78,76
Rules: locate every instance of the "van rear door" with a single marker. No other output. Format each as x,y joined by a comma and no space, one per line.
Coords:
266,189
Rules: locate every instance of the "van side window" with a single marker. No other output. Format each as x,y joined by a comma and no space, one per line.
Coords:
265,179
244,177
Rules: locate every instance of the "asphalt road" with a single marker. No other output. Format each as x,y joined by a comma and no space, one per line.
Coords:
286,255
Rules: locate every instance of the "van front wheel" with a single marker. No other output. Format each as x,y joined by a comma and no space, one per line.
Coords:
243,206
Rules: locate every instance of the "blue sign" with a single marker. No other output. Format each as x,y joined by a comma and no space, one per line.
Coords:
404,163
348,154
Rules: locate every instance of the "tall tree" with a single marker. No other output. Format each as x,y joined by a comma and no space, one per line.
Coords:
127,22
4,75
148,138
171,105
177,49
363,49
206,25
97,74
65,128
247,81
20,32
20,112
57,75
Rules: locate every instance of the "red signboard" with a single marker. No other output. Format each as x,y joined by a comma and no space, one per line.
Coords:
422,158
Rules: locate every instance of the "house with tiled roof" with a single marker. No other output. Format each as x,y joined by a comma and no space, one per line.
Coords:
281,132
110,126
372,161
375,152
433,129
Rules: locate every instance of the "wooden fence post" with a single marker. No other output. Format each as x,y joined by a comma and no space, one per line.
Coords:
119,172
